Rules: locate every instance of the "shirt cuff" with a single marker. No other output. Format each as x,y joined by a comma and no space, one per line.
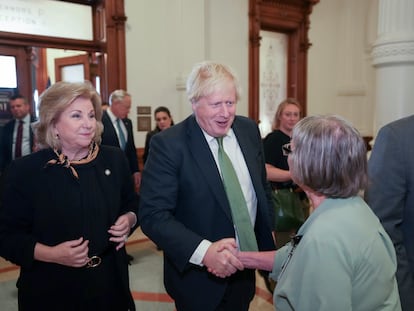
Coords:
199,253
136,219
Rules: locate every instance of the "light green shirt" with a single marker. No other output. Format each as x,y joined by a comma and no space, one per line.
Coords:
344,261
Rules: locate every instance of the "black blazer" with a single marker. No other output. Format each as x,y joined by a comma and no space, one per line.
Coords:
109,137
6,143
183,201
51,206
147,143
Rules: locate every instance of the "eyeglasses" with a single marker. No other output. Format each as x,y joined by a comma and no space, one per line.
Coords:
287,149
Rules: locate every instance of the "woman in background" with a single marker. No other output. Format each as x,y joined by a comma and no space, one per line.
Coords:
68,210
163,120
287,115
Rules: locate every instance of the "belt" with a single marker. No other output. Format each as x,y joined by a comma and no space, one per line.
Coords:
96,260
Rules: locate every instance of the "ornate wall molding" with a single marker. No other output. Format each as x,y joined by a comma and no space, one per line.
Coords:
393,52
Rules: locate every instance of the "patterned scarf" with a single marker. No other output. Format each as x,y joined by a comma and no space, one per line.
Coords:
63,160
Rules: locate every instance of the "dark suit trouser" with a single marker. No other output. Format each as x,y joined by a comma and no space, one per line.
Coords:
238,295
240,292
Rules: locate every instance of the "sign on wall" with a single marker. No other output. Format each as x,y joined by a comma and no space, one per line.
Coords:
44,17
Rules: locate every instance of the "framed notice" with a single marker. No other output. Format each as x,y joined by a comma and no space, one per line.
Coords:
144,110
144,124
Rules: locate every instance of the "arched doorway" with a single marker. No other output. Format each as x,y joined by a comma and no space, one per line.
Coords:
289,19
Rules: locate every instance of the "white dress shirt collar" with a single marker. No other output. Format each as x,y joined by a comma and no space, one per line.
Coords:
111,115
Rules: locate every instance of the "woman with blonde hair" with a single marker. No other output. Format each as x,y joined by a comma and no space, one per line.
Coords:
275,144
68,209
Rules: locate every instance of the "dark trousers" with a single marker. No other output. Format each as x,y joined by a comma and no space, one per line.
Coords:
240,292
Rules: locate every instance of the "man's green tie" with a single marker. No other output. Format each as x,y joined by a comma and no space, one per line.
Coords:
239,212
122,141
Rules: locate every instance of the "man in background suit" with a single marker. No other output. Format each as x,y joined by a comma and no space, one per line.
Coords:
10,148
185,208
391,196
118,130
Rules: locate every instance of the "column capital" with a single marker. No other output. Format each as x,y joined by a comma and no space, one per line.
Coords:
387,52
395,40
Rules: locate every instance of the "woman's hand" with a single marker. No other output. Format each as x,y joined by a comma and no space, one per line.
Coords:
72,253
220,258
120,230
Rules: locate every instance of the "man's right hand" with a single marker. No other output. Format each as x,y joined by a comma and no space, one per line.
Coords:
220,258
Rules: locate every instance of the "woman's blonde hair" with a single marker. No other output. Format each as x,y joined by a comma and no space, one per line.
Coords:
54,101
279,111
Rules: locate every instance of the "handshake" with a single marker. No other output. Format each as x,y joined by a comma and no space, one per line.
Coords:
223,258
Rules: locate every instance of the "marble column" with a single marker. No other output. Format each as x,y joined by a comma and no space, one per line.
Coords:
393,58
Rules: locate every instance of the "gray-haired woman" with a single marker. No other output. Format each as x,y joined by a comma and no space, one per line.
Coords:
341,257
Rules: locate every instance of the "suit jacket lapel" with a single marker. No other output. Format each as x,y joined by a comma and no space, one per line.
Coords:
9,143
128,127
32,140
111,136
201,152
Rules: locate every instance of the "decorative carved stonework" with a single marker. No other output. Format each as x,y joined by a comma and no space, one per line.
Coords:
393,52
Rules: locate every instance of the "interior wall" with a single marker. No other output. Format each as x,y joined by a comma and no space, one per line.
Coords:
164,38
341,78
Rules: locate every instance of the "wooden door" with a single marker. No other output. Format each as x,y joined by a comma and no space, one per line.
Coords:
72,68
82,67
290,18
22,59
23,56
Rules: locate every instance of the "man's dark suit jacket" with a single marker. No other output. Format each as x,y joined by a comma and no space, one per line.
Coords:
391,196
109,137
183,201
6,143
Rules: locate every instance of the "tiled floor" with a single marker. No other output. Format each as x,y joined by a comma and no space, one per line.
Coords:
145,277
